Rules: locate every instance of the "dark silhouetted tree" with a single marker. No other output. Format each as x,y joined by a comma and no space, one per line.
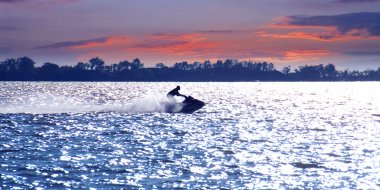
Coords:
136,64
228,63
161,66
25,64
114,68
219,64
207,64
96,63
49,71
286,70
312,73
228,70
181,66
329,72
82,66
49,67
10,65
124,65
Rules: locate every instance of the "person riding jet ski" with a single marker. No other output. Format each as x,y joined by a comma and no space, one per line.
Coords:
189,105
175,92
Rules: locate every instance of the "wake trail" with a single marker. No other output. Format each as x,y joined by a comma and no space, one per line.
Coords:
44,105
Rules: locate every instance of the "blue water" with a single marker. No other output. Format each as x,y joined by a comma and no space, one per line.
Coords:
248,136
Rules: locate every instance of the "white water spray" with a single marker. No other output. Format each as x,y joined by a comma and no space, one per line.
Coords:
46,103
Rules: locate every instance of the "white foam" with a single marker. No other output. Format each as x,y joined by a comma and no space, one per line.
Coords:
149,104
46,103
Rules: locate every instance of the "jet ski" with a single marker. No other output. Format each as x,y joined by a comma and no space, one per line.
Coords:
189,105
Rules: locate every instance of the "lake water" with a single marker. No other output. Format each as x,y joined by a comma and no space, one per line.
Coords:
248,136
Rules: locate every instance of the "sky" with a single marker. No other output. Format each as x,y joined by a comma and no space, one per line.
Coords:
345,33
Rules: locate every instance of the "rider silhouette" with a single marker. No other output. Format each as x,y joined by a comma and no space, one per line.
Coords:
175,92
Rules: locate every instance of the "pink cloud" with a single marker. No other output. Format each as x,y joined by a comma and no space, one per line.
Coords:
346,27
183,44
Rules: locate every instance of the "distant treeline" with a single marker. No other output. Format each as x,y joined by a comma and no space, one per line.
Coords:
23,69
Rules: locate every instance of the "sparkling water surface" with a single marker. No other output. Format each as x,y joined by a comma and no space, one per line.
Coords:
248,136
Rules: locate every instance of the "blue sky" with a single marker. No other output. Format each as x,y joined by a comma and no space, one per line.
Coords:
287,32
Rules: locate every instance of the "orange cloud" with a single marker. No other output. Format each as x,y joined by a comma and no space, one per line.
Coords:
285,30
109,42
292,56
297,35
184,44
284,27
303,55
333,35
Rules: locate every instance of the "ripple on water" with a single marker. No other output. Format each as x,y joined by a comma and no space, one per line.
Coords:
248,136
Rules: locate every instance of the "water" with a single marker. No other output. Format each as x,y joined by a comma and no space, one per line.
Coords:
248,136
